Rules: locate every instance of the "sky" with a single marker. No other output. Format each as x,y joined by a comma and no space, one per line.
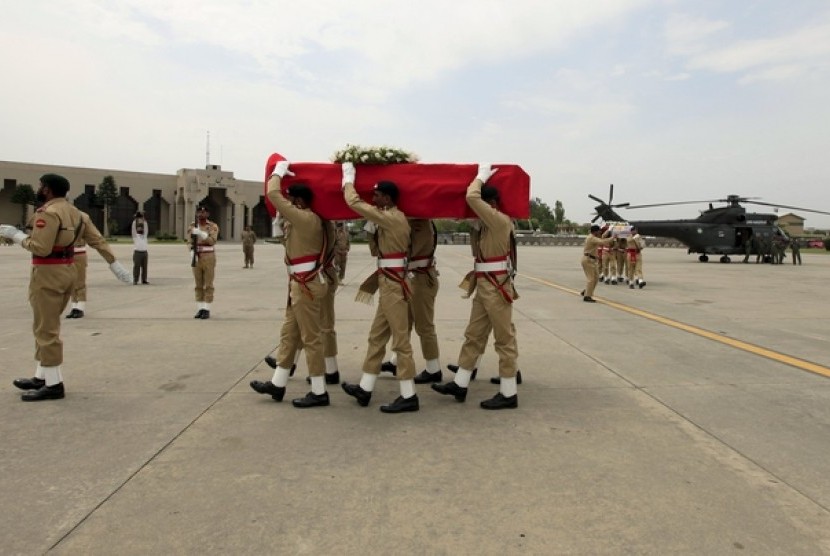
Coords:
669,100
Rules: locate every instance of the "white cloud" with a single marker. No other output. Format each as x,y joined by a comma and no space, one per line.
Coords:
686,34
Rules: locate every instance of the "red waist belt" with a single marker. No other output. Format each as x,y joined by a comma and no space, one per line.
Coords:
632,255
492,267
61,255
303,270
393,266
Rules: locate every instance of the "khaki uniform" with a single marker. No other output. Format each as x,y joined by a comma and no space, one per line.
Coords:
424,286
248,240
609,262
305,252
392,315
205,268
92,237
494,292
622,259
589,261
341,250
634,247
53,277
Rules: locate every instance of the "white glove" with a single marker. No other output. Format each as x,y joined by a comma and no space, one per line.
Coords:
370,227
348,173
281,169
121,273
12,233
199,233
485,172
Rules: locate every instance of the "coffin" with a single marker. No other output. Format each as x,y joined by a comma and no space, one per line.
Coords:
426,190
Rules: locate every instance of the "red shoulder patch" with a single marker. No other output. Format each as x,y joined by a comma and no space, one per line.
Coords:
40,223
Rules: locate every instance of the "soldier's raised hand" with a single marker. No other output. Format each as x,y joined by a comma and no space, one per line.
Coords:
485,172
281,169
349,173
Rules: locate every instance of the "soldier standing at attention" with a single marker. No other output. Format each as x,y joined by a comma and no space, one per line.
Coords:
341,249
492,282
140,230
90,236
204,236
56,227
589,261
424,238
248,240
305,256
796,249
392,315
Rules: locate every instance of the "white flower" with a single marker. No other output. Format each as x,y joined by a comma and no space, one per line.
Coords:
364,157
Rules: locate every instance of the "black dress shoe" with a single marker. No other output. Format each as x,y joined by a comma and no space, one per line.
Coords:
205,314
272,362
425,377
582,293
401,405
268,387
642,284
358,393
500,402
451,389
454,369
75,314
331,378
497,379
199,314
312,400
44,393
588,300
389,367
29,383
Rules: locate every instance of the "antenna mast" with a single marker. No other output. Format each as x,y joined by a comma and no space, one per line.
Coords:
207,151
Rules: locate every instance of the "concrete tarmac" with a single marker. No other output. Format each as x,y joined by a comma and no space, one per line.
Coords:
687,417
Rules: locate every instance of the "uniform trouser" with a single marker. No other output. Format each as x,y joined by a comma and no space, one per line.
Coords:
622,263
490,310
50,288
140,266
609,265
203,272
248,252
589,267
635,268
422,313
797,256
340,262
301,327
391,319
327,319
79,288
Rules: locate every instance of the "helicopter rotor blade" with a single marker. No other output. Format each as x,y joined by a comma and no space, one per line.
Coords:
787,207
676,203
595,218
620,205
611,194
597,199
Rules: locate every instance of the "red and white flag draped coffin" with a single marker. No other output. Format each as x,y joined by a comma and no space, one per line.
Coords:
426,190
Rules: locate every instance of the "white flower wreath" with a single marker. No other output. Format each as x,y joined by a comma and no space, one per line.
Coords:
373,155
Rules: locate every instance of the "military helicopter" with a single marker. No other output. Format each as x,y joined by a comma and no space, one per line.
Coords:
720,231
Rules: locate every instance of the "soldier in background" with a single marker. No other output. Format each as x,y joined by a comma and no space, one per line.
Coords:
635,245
341,249
204,236
747,241
796,250
89,235
248,240
589,261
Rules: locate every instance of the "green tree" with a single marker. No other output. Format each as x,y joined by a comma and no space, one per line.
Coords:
542,216
24,196
106,196
558,214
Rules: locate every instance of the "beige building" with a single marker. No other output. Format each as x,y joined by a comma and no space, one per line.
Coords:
167,200
792,224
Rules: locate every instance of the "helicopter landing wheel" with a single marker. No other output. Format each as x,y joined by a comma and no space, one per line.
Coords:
703,258
725,259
